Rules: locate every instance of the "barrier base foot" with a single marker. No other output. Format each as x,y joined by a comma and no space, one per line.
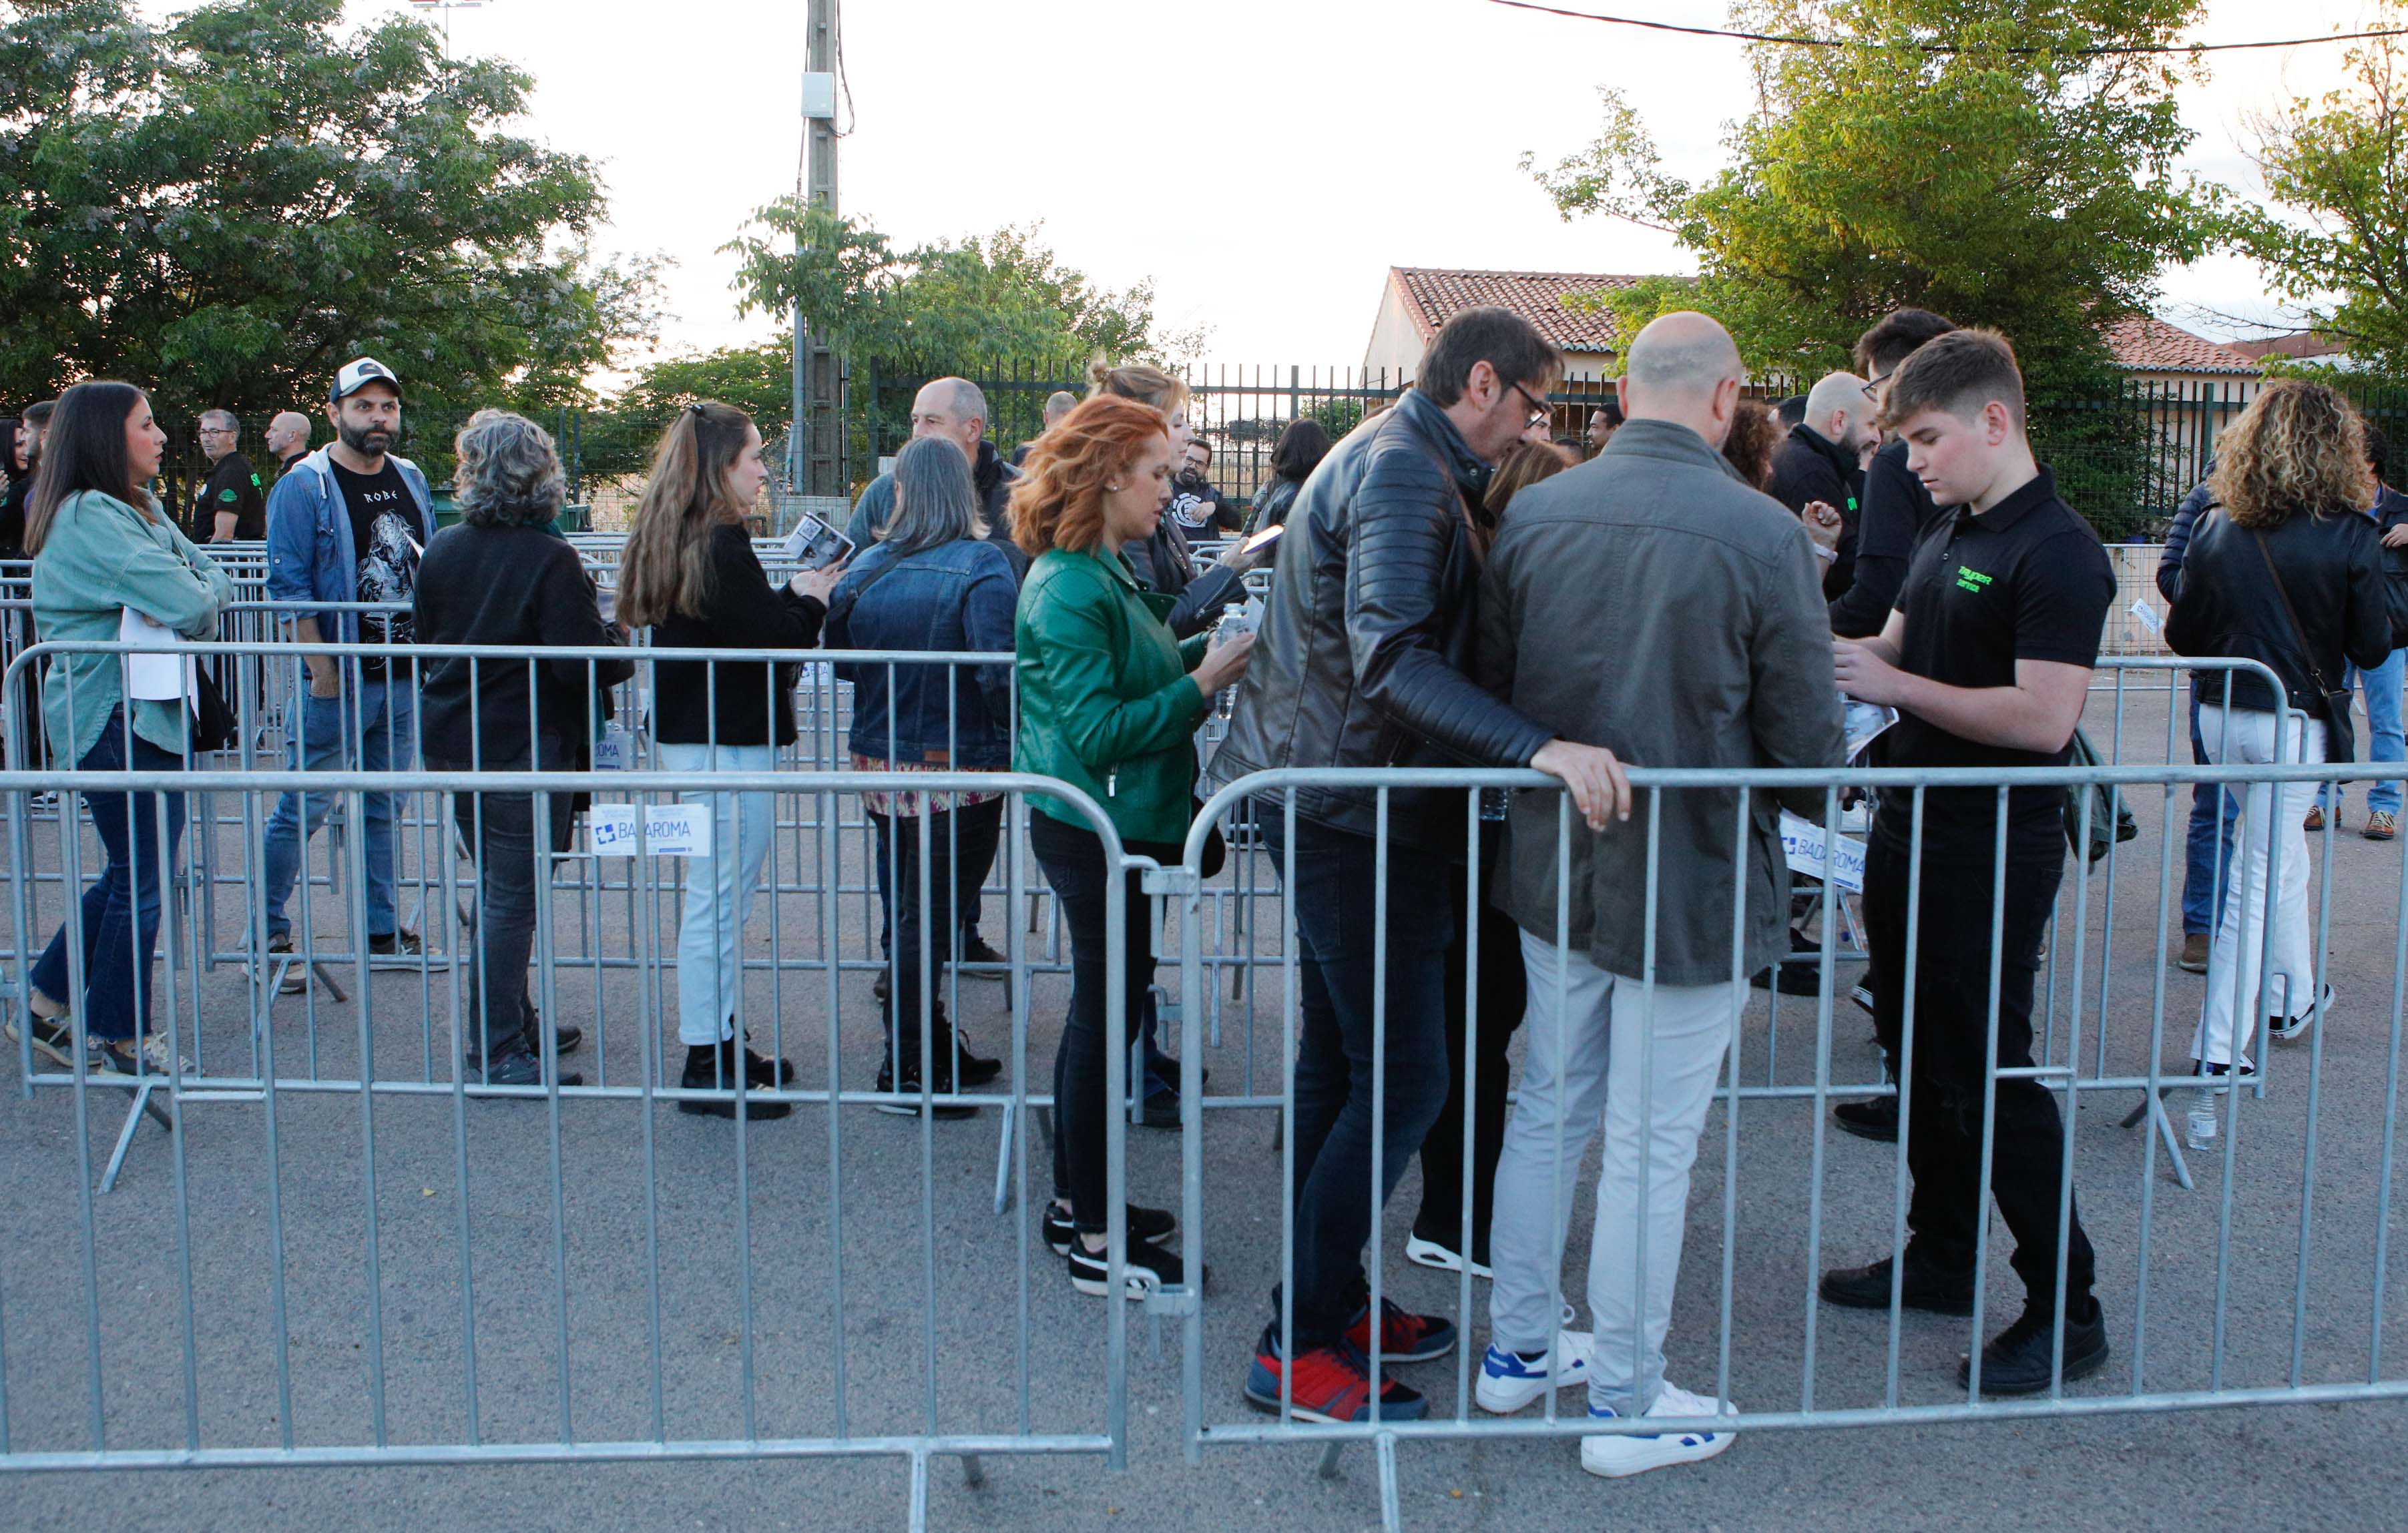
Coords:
143,1106
2153,1107
1328,1468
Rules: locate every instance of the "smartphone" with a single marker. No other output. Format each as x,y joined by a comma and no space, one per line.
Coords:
1266,537
815,545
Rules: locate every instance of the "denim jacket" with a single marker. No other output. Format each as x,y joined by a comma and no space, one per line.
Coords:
309,551
957,596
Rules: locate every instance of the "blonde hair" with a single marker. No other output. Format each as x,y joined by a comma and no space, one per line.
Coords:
666,569
1141,382
2299,447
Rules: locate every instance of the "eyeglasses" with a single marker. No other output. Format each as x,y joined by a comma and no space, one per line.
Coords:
1538,407
217,431
1872,386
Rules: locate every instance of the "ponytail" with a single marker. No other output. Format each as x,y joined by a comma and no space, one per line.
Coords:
666,569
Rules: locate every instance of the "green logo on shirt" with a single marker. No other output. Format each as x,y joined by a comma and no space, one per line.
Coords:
1970,580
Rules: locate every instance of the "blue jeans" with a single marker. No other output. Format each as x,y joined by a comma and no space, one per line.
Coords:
1336,885
2387,742
121,909
385,739
2207,853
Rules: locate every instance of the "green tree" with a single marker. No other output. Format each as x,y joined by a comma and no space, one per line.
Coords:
757,379
2337,165
2006,177
227,207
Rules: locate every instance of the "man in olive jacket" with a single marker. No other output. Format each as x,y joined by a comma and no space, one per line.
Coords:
1648,601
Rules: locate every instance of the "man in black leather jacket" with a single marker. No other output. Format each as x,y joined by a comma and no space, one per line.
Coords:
1365,661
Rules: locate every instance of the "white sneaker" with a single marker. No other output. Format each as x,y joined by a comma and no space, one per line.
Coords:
1508,1381
1431,1253
1636,1454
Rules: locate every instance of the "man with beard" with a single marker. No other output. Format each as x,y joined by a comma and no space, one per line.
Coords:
346,524
1196,506
1821,460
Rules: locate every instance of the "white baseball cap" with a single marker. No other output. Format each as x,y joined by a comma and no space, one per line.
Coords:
359,373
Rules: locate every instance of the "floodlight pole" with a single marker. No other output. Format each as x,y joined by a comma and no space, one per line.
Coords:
447,7
815,372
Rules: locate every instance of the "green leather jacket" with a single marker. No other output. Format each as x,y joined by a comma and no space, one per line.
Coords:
1104,701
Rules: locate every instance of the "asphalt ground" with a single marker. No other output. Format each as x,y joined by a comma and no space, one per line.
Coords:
878,1268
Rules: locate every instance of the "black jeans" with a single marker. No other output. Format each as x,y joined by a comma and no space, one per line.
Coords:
1504,994
961,848
499,829
1952,974
1336,918
1073,860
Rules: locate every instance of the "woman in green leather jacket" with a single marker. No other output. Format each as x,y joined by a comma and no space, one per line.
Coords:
1109,704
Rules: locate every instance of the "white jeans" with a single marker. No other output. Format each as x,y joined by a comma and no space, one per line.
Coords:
1601,1057
2270,817
719,889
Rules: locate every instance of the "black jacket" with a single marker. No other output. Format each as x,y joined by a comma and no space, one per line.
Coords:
1896,512
1366,653
1164,564
2228,603
754,701
1809,467
1272,504
522,588
2391,510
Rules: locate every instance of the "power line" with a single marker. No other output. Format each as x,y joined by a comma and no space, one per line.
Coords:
1792,41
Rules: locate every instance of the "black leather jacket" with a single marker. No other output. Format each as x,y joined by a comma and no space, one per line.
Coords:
1365,653
2227,603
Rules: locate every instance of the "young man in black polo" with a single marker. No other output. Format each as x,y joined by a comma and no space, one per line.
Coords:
1987,658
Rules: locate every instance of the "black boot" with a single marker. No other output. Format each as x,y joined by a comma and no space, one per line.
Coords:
713,1069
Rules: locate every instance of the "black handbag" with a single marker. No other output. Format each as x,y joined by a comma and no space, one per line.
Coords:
2341,735
214,724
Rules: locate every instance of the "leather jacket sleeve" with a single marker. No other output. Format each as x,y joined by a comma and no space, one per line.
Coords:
1405,511
1203,599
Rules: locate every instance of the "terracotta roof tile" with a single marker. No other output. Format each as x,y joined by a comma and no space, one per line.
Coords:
1433,297
2148,345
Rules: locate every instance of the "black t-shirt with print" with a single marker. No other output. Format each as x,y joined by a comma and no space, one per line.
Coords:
233,486
387,538
1200,512
2026,579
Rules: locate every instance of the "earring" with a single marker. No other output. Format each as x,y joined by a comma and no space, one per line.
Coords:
1113,485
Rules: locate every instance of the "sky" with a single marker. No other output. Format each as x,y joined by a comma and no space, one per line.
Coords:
1261,161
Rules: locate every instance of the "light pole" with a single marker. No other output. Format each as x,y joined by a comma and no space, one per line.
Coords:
447,7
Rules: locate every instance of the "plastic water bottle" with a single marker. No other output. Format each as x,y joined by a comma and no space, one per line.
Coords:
1235,620
2199,1124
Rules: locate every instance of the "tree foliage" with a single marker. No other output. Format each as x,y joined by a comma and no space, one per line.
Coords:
2006,177
2339,164
227,207
937,307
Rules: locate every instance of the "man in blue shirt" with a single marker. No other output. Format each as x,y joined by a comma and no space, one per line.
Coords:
2386,740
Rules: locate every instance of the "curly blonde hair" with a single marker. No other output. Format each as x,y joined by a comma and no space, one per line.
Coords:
2299,447
1059,501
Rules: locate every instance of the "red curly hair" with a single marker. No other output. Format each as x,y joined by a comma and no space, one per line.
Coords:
1059,501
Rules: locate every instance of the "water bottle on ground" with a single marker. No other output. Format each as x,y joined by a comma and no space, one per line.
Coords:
2199,1126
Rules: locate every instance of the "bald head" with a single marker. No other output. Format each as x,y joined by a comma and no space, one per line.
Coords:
288,434
1684,368
1838,410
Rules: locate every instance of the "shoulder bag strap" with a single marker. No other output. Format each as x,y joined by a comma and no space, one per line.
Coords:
2299,631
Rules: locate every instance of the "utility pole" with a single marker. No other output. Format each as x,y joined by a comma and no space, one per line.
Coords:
816,447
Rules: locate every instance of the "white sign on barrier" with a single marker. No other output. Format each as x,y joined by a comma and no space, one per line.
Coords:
615,751
668,830
1841,863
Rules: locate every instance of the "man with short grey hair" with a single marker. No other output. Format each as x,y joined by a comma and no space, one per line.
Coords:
1650,573
1821,461
954,408
1059,403
230,504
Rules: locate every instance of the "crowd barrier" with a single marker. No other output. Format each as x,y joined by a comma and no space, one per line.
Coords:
286,1191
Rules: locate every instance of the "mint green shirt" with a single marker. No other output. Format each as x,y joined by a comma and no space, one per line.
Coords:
99,557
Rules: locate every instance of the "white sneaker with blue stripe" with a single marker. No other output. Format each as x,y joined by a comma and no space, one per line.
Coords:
1508,1381
1636,1453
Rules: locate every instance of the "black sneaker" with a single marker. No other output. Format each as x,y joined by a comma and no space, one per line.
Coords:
1791,977
1148,1267
1874,1118
970,1067
401,944
565,1039
519,1067
1867,1288
708,1070
977,951
1144,1224
2017,1360
1862,994
909,1086
881,987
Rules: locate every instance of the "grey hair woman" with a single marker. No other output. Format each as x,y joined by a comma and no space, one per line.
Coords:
934,582
506,578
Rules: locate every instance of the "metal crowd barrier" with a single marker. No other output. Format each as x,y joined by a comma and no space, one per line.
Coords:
529,1273
2199,1281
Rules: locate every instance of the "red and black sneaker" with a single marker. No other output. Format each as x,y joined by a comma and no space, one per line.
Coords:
1333,1385
1404,1338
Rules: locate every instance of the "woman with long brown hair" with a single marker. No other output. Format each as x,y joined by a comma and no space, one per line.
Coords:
2287,570
691,576
1109,704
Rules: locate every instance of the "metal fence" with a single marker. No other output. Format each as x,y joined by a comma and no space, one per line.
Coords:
343,1249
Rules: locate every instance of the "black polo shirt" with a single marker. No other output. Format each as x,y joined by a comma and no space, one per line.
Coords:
2024,581
233,486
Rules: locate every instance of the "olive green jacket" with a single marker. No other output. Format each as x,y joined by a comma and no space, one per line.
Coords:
1106,704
